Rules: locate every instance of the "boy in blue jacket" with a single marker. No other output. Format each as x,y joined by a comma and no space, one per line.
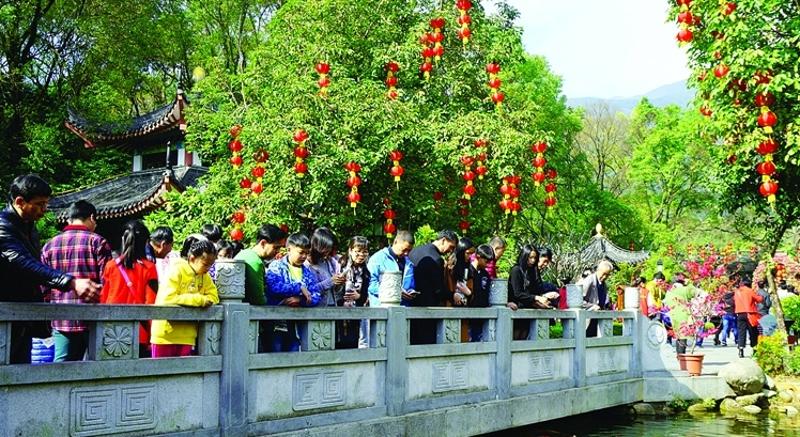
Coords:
291,283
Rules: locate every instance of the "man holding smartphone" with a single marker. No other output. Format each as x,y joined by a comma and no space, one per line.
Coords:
390,259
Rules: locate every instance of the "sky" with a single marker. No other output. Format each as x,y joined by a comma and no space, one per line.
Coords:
603,48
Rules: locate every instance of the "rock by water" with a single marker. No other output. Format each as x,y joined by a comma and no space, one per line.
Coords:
743,376
785,396
791,411
644,409
752,409
729,406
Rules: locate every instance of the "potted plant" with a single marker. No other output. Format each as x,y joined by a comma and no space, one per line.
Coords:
699,310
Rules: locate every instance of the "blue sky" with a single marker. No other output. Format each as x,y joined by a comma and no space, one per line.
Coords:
603,48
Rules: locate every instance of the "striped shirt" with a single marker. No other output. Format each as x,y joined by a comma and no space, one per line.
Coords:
78,252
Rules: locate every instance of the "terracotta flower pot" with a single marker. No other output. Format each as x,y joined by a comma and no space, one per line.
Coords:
682,361
694,364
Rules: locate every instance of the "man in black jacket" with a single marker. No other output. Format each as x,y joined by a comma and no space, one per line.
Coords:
429,281
20,267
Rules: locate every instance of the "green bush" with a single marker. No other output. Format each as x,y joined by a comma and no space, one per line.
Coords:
771,354
791,311
793,362
557,331
679,404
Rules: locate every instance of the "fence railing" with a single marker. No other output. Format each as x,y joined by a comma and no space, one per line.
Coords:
232,387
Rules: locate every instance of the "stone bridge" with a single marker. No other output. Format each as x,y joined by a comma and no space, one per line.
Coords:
391,388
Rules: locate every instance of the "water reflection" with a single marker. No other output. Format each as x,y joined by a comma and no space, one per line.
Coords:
610,423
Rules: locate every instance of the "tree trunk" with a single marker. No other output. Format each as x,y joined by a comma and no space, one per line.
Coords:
772,289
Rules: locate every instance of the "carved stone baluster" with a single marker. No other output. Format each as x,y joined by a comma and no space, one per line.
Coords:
377,333
252,334
230,279
606,328
114,341
448,331
318,335
208,338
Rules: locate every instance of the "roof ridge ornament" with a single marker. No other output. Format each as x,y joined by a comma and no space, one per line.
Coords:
599,229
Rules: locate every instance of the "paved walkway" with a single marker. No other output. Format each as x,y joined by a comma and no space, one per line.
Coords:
716,357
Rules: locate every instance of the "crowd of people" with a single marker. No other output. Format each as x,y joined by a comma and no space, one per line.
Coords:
78,266
744,309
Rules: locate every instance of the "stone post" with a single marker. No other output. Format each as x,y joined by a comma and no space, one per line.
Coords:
579,357
5,342
503,336
390,289
631,298
233,379
396,363
574,296
498,298
230,280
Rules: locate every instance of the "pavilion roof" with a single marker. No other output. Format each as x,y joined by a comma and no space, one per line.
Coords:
163,124
131,194
601,248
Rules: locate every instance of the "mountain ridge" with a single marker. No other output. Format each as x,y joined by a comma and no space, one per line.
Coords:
676,93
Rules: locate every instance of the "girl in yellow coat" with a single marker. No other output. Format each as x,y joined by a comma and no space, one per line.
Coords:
187,284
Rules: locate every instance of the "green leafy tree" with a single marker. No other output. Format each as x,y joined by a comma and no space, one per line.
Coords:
433,122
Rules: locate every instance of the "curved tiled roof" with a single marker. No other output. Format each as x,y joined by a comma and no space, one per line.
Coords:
129,194
165,121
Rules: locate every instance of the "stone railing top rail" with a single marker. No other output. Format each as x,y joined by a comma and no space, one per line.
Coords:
543,314
319,313
450,313
610,314
13,311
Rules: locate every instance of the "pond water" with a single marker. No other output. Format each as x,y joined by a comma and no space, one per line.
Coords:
608,423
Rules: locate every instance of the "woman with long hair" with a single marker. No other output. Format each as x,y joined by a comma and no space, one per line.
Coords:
322,261
353,293
131,278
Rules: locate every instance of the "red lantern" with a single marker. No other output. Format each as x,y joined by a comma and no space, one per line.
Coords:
767,119
323,68
245,183
257,172
389,229
551,173
481,171
766,168
728,8
767,147
301,152
550,188
721,71
538,178
324,82
540,147
389,214
300,136
300,168
764,99
237,234
395,155
392,66
235,130
550,202
468,175
235,146
705,110
438,196
469,191
768,189
467,161
464,225
353,181
257,188
493,68
684,36
353,197
261,156
397,171
238,217
236,161
539,162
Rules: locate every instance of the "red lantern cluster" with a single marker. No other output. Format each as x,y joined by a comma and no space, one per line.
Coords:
539,162
324,82
300,153
766,168
235,146
686,21
766,118
259,169
480,167
391,80
237,219
468,176
510,203
550,188
463,211
493,68
353,181
464,20
437,24
389,228
727,8
397,170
